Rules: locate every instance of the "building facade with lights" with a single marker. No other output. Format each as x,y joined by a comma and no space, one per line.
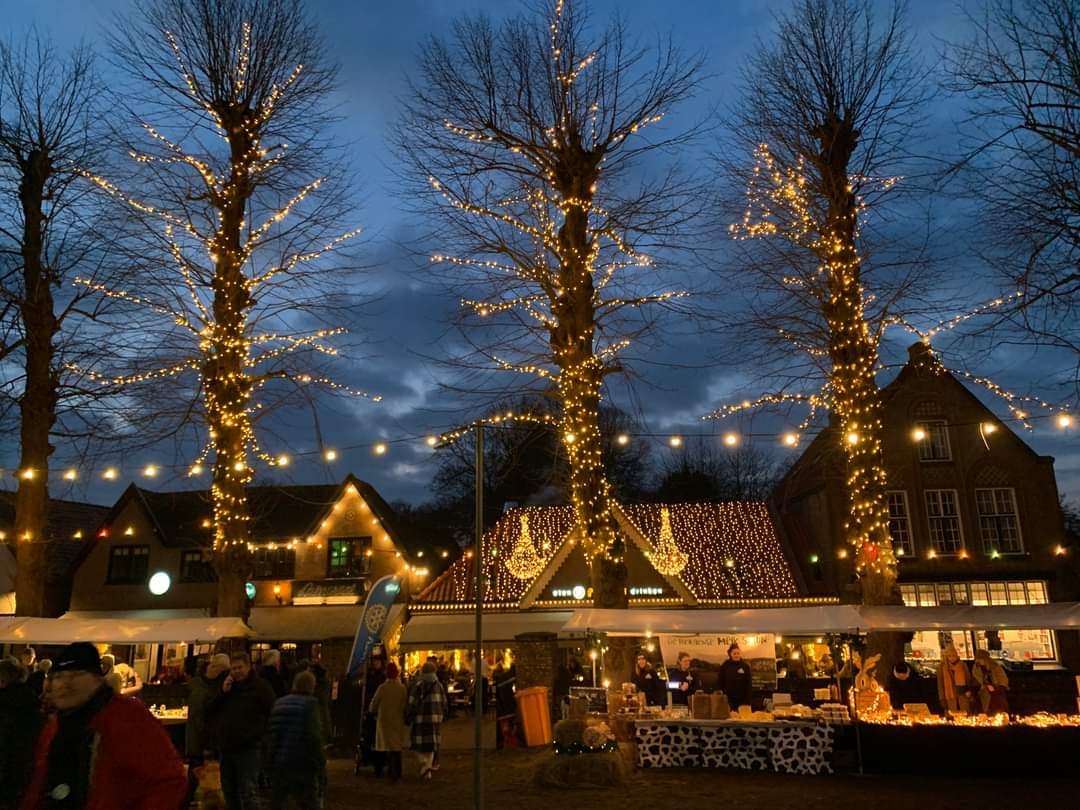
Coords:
682,556
317,550
68,524
974,513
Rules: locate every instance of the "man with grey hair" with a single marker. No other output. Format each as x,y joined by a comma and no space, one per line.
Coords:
270,671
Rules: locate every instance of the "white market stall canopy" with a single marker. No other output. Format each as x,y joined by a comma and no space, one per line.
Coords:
827,619
459,629
314,622
1052,616
639,622
109,629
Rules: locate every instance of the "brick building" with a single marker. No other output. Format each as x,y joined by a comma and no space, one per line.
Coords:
974,513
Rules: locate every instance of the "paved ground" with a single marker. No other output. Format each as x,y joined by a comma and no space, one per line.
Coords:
508,785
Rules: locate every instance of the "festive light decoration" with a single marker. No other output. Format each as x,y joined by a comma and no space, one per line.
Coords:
733,556
524,562
780,205
228,354
666,558
569,266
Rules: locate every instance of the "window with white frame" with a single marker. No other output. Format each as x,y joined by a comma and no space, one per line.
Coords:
900,524
934,445
943,517
998,524
1031,645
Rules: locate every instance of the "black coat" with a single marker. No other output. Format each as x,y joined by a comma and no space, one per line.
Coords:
272,676
239,716
736,682
647,681
20,724
505,702
680,696
905,691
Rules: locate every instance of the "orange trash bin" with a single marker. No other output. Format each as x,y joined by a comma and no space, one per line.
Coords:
535,715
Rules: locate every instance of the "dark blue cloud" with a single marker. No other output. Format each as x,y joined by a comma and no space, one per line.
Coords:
376,44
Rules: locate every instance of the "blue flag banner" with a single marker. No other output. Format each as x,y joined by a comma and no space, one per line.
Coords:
373,620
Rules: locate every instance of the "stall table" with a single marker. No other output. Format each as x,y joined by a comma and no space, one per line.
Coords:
786,746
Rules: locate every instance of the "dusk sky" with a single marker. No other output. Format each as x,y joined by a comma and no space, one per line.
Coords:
376,46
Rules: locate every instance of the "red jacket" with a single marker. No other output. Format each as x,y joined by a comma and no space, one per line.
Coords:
135,766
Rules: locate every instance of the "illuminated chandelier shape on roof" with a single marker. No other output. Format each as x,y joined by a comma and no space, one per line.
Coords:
667,559
524,562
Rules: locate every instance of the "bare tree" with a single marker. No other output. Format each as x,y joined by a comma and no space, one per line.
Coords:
1021,73
241,196
527,138
699,471
828,105
49,231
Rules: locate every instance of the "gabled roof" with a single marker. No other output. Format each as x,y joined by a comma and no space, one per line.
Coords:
733,553
277,512
63,519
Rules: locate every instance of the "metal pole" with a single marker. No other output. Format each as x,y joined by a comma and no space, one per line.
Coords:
478,681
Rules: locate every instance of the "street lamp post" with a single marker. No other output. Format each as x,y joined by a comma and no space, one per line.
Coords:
478,680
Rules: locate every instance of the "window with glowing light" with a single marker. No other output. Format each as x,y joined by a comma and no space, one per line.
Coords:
900,525
274,563
943,517
128,565
998,523
935,444
348,557
195,567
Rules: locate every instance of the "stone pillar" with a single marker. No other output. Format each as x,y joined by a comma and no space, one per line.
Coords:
536,659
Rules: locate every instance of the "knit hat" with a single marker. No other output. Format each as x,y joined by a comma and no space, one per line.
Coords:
78,657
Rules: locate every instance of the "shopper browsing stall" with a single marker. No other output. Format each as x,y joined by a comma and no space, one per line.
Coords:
990,684
954,683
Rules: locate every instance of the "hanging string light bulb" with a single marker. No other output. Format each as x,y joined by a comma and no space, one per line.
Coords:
667,559
524,562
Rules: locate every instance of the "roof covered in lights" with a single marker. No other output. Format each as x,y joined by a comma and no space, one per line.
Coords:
734,556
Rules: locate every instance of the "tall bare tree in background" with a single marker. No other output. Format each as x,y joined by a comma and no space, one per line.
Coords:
526,136
827,106
48,233
1021,73
241,195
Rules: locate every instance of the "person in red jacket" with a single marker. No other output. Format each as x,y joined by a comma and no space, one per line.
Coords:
101,751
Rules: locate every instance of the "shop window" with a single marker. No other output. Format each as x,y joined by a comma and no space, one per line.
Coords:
927,596
900,524
275,563
195,567
1036,593
935,445
998,525
128,565
943,516
349,557
909,595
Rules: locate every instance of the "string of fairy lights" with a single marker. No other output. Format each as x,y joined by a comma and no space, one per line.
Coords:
733,440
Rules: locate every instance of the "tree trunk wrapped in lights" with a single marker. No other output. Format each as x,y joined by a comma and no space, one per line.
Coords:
247,94
828,106
524,134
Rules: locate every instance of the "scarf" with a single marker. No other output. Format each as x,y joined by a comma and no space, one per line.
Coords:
954,676
71,755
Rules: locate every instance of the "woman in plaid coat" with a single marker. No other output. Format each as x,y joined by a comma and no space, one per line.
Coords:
427,707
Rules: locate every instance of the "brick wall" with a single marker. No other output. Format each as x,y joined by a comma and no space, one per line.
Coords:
536,658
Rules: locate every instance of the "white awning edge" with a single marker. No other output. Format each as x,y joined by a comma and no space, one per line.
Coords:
121,631
431,631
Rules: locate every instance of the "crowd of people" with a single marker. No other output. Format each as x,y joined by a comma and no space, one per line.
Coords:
74,737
